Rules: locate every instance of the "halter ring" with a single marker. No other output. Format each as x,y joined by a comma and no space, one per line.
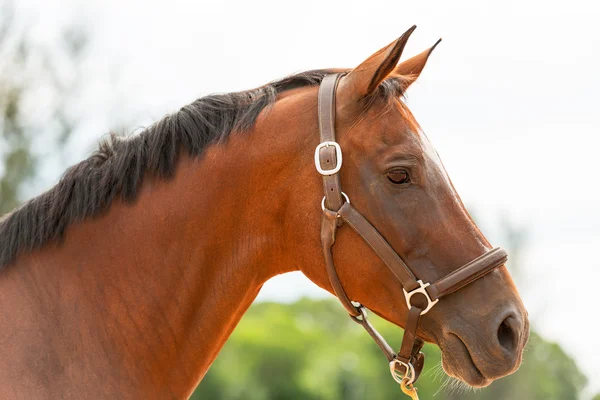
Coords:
362,316
409,375
323,201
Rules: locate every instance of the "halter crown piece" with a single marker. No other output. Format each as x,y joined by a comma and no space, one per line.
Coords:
405,365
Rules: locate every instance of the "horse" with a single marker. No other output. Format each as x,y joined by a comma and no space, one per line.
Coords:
126,278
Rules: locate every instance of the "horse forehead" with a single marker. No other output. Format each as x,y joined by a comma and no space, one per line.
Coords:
431,153
405,137
395,127
373,135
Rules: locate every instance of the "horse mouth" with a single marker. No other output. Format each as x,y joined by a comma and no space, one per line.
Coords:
458,363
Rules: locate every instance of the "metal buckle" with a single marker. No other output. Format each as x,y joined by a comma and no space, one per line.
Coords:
324,197
338,156
421,289
409,375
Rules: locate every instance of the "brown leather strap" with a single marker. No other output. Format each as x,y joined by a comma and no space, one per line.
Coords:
410,349
331,184
327,155
418,361
328,230
379,245
410,335
468,273
362,320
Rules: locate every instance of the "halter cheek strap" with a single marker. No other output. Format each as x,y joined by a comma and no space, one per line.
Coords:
407,364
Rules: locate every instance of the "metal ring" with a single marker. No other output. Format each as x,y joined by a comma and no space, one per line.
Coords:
324,197
359,319
409,375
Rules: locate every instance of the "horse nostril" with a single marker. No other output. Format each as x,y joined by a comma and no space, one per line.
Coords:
508,333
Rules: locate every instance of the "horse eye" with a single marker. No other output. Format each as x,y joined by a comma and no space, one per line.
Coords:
398,176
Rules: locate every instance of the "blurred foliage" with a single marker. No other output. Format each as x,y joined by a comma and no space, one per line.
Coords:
312,350
36,82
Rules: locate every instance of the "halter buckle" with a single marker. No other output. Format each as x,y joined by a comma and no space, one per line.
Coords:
409,376
421,290
338,156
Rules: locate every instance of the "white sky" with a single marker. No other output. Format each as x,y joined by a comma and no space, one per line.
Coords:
509,99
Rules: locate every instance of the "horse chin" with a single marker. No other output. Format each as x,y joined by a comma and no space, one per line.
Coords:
458,363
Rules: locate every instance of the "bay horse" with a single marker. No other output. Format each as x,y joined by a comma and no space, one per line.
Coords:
126,278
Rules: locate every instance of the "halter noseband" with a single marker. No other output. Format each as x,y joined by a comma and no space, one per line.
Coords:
406,365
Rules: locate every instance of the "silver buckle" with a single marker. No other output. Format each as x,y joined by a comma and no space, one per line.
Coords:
338,156
421,289
409,375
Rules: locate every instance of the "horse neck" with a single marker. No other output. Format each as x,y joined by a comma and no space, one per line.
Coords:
163,283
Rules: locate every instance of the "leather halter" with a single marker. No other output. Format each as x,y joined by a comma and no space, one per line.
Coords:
406,365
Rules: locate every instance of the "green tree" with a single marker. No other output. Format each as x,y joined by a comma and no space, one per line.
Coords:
311,350
33,75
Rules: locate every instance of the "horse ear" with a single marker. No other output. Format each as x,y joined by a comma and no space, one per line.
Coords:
364,79
411,68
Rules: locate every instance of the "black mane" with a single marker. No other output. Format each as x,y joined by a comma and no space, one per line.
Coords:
118,167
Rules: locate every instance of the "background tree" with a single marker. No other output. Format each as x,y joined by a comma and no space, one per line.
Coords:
310,349
37,83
